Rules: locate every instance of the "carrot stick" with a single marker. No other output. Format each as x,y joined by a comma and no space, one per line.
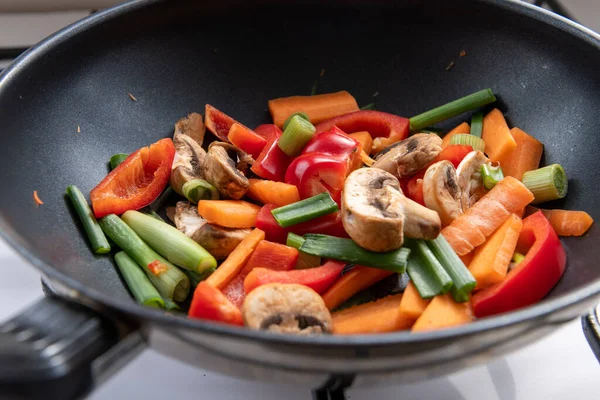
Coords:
318,108
525,157
499,142
379,316
443,312
37,199
462,128
359,278
471,228
412,304
490,261
236,260
278,193
229,213
365,139
565,222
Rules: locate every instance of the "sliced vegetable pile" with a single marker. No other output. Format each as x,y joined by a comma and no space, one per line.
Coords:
336,219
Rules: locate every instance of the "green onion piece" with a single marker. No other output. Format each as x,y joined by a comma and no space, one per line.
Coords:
370,106
300,114
155,215
517,258
295,136
425,271
305,260
477,124
462,279
169,280
305,210
313,90
432,129
117,159
199,189
196,278
97,239
491,175
137,282
475,142
346,250
452,109
169,242
547,183
170,305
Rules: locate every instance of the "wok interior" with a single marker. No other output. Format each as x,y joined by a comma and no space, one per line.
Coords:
175,58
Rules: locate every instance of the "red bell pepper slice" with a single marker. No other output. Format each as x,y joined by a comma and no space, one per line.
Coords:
330,224
414,190
383,127
335,143
318,279
273,256
218,123
272,162
136,182
533,278
209,303
246,139
454,153
317,173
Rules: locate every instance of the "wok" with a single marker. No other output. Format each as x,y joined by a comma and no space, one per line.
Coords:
176,56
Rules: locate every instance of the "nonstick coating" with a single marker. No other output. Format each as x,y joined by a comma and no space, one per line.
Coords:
174,58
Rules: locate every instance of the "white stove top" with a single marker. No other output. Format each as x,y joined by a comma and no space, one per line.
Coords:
557,367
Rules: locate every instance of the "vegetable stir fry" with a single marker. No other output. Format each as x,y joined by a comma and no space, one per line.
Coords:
336,219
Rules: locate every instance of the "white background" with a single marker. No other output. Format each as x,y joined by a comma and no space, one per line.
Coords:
557,367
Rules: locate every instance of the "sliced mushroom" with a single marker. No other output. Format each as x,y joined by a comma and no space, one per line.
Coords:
377,215
220,170
441,192
189,155
407,156
217,240
286,308
469,178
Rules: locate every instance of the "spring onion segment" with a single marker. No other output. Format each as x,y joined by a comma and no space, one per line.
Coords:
452,109
170,282
117,159
462,279
295,136
170,305
97,239
547,183
169,242
491,175
196,278
346,250
425,271
300,114
517,258
305,210
470,140
199,189
138,283
155,215
370,106
477,124
305,260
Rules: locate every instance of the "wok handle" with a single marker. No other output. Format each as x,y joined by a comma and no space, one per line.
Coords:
591,330
57,349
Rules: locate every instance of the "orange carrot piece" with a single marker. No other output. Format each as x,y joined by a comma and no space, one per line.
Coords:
319,108
236,260
462,128
278,193
359,278
566,222
229,213
37,199
412,304
499,142
471,228
365,139
379,316
443,312
467,258
525,157
490,260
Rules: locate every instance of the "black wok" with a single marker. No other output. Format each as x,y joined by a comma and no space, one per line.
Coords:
174,57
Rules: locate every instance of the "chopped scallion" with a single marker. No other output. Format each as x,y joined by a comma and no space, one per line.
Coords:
370,106
117,159
477,124
196,278
491,175
170,305
305,210
517,258
300,114
547,183
137,282
425,271
155,215
94,232
295,136
305,260
199,189
475,142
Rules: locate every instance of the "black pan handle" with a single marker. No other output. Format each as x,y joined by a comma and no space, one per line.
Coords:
57,349
591,330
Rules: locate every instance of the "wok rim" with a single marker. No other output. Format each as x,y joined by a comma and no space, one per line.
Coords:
132,309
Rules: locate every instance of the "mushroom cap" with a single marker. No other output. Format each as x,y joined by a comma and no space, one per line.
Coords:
220,170
286,308
370,213
441,191
189,154
469,178
408,156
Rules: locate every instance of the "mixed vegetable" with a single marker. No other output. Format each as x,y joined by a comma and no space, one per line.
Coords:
336,219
